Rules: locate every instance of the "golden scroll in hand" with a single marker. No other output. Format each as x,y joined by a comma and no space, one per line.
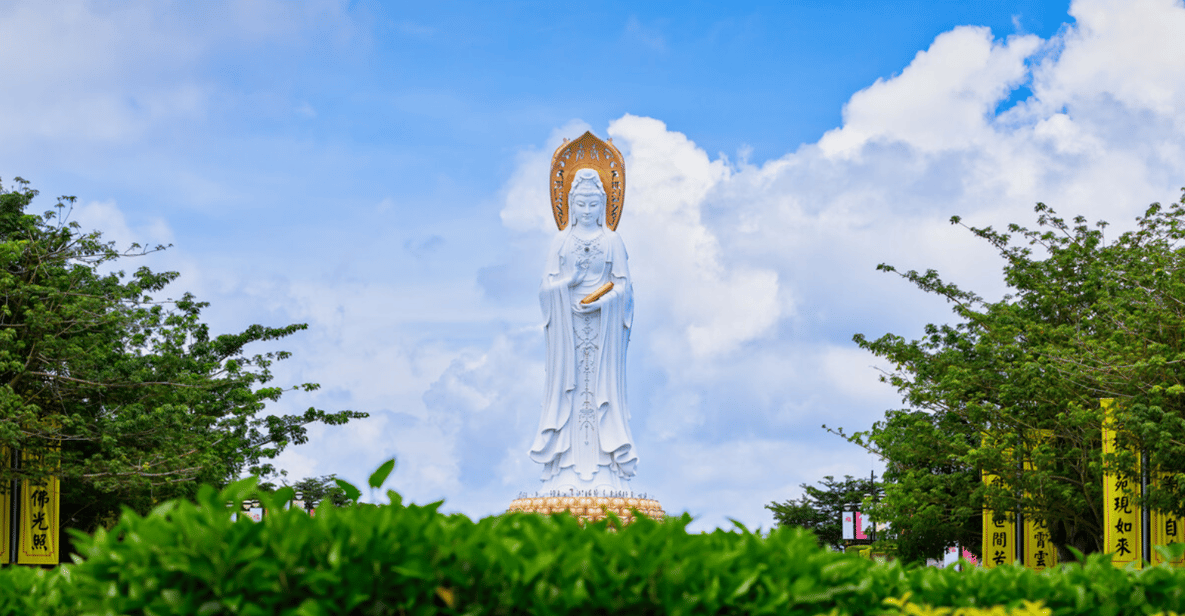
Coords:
598,294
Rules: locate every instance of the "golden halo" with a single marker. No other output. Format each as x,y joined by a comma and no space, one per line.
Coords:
587,152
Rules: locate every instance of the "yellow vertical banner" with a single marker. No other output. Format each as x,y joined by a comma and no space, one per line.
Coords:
1121,509
5,510
999,538
1040,552
1166,529
39,523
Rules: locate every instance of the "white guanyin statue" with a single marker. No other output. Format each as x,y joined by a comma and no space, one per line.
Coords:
584,441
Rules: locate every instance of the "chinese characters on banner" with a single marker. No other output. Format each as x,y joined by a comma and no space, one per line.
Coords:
999,530
1166,529
1121,509
39,503
999,537
1040,552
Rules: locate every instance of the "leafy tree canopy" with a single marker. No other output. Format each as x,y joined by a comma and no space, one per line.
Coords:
1012,388
127,397
820,508
315,491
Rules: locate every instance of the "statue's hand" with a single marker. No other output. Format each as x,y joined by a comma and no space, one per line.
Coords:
570,281
583,308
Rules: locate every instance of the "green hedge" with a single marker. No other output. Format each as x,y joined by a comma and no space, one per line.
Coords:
190,558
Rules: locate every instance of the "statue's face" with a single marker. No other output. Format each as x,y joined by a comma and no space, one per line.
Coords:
587,208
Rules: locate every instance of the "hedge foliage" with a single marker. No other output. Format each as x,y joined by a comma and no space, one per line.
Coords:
191,558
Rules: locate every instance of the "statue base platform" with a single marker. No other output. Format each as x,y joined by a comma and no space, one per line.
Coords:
591,507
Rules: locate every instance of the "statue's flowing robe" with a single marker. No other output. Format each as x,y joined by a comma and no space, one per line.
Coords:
554,442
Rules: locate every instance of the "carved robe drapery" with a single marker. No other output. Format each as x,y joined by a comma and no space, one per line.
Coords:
585,421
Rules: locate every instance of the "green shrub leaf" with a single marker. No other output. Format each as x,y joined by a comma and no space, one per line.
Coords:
352,493
380,476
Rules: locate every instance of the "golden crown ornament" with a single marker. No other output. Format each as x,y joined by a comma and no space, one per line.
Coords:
587,152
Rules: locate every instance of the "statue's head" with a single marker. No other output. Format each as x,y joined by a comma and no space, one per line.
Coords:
586,198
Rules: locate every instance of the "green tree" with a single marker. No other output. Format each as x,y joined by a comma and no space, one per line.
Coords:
1012,389
319,491
820,508
127,398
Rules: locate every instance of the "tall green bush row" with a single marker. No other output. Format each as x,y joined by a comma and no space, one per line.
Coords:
191,558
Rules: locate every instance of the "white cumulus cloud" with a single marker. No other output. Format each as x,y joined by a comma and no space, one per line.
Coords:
751,279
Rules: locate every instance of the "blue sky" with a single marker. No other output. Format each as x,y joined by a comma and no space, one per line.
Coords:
377,169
